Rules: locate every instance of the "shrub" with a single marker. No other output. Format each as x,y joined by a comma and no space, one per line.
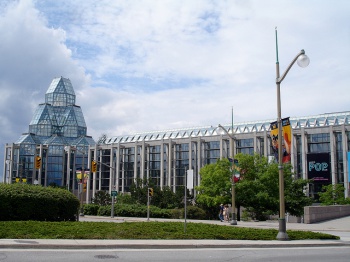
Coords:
193,212
91,209
29,202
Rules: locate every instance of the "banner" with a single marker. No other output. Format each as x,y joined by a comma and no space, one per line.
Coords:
318,167
79,177
287,139
190,179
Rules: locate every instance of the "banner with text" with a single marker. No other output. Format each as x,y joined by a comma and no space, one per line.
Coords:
287,139
318,167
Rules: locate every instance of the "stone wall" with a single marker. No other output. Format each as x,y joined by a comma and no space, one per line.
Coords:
313,214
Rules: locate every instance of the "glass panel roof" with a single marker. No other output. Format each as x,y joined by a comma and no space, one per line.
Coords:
58,120
245,127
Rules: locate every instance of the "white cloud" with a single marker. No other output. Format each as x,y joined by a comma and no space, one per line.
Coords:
152,65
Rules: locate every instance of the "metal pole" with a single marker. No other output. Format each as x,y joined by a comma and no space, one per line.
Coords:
185,201
148,203
233,191
112,209
282,234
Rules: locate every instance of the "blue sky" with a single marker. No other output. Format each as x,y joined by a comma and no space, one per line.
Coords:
148,65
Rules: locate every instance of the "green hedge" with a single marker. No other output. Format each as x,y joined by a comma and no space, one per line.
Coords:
124,210
30,202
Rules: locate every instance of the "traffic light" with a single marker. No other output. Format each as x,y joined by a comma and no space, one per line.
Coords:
38,162
150,192
93,166
84,187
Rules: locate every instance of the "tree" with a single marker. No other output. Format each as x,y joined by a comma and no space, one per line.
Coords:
257,190
102,198
163,198
215,186
333,195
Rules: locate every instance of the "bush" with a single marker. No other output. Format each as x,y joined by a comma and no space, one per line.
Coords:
91,209
193,212
29,202
135,210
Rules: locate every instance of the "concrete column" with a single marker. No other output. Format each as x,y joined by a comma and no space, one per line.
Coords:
143,158
135,161
117,168
88,180
256,145
199,159
68,169
161,164
266,144
94,174
170,155
304,152
333,152
111,171
122,170
174,168
293,151
345,160
221,147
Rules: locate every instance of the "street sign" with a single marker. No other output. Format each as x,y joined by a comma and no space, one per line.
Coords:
114,193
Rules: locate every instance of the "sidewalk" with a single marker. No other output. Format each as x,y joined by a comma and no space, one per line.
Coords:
340,227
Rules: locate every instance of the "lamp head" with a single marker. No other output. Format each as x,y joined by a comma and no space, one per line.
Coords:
303,60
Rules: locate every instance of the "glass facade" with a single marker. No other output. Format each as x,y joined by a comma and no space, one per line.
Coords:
56,125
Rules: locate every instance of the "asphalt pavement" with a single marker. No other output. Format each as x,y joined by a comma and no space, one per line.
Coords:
339,227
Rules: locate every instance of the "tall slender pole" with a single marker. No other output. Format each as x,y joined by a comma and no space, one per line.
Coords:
148,203
185,200
233,191
282,233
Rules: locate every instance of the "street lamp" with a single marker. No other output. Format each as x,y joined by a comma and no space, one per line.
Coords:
303,61
233,193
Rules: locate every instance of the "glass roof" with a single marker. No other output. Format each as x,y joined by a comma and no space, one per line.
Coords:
58,120
322,120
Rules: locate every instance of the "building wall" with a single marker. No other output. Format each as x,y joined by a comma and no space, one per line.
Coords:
166,160
165,156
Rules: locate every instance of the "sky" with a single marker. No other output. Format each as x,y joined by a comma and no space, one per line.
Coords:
151,65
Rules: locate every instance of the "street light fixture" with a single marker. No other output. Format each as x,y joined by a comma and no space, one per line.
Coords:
303,61
233,191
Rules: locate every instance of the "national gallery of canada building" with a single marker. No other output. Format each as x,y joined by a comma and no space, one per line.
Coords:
56,148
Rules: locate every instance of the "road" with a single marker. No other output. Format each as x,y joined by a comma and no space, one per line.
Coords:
310,254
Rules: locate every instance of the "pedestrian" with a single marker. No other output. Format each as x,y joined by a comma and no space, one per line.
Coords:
221,213
226,213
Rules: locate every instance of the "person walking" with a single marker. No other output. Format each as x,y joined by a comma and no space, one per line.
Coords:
221,213
226,213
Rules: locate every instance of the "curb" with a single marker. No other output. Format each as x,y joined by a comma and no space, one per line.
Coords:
163,244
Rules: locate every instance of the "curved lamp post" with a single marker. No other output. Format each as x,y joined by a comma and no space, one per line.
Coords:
303,61
233,193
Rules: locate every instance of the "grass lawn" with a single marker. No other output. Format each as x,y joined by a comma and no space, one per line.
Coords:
141,230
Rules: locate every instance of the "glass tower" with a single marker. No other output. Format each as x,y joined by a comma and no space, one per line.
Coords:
57,135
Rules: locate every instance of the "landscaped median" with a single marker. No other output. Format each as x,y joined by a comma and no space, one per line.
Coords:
142,230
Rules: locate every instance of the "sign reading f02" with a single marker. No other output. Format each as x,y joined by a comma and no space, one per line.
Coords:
38,162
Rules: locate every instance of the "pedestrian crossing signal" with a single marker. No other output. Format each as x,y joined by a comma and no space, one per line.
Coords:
150,192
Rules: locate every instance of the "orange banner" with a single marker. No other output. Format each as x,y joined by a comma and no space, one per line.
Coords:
287,139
